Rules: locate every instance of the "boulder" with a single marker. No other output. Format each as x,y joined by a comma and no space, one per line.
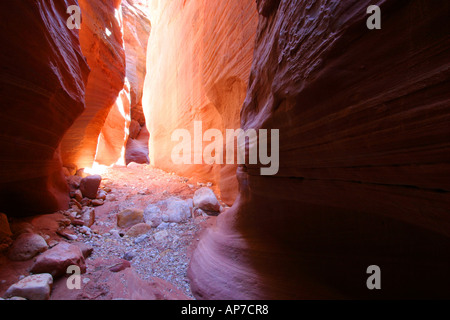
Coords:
138,230
56,260
27,246
176,210
88,216
205,199
89,186
34,287
129,217
86,249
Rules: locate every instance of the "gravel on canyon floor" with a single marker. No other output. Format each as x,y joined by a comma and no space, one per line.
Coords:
163,252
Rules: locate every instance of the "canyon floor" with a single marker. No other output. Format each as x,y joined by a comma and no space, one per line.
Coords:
158,259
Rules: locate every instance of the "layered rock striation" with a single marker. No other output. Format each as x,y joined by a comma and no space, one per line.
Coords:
101,37
364,158
198,63
42,93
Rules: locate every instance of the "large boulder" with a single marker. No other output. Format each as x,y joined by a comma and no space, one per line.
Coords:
205,199
34,287
56,260
27,246
129,217
89,186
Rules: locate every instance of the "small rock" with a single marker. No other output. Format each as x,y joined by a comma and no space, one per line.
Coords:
133,165
160,236
66,234
191,186
141,238
152,215
138,230
77,195
27,246
89,186
56,260
34,287
97,202
163,225
129,256
78,222
115,233
17,298
119,266
111,197
86,202
101,195
199,213
85,230
74,181
129,217
86,249
88,216
209,184
52,243
107,189
206,200
74,202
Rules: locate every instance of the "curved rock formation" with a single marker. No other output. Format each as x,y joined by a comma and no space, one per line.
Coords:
202,76
42,93
364,158
101,39
136,31
115,131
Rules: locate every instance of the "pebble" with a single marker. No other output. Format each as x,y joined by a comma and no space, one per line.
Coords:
141,239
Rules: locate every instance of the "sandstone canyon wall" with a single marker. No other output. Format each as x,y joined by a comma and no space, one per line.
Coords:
42,92
101,38
198,62
364,158
137,28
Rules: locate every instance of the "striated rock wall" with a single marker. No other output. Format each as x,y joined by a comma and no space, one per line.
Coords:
101,39
136,31
199,60
42,86
364,158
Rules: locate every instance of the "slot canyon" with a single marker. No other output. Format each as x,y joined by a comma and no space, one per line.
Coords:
356,121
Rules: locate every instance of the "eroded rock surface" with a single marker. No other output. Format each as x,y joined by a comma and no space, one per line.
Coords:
198,69
363,120
42,93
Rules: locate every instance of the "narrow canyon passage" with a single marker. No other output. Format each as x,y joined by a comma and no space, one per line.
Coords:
151,248
224,150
